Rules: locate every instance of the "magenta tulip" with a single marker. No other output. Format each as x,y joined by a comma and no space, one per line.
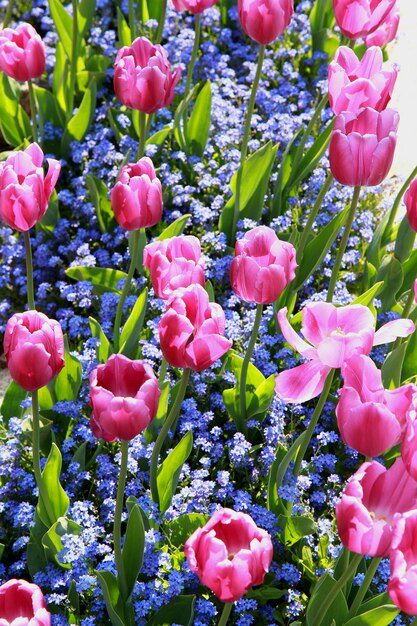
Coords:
355,84
124,397
194,6
24,189
174,263
371,503
264,20
229,554
409,441
410,199
362,146
22,604
403,563
22,53
191,331
137,196
142,76
335,335
360,18
386,31
366,407
34,349
263,266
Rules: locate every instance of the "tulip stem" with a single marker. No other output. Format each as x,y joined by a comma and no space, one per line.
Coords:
74,59
225,613
340,583
43,492
153,471
343,244
360,594
126,287
143,135
161,23
117,535
8,16
313,422
190,71
32,101
241,421
308,130
245,140
162,371
29,271
394,209
409,304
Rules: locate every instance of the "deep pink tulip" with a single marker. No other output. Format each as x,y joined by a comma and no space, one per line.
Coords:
371,503
355,84
174,263
24,190
264,20
22,604
386,31
136,197
410,199
34,349
229,554
366,407
124,397
22,53
409,441
191,331
360,18
263,266
195,6
362,146
142,76
403,563
335,335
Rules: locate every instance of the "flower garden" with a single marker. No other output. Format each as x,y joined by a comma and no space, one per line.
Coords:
208,305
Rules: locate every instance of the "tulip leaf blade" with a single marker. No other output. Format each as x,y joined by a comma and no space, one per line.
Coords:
52,541
392,367
379,616
14,122
170,469
176,228
58,499
66,385
133,548
390,272
182,527
63,24
104,349
198,126
102,278
337,611
179,611
14,396
80,122
295,527
99,195
112,597
129,338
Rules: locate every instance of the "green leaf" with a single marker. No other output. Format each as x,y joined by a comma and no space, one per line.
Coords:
151,432
60,77
181,528
104,349
176,228
99,195
2,546
262,397
48,107
255,381
278,470
74,596
14,122
52,542
169,471
158,138
133,548
179,611
86,10
337,611
381,616
65,386
131,501
391,273
404,241
124,35
295,528
58,499
112,597
79,124
410,273
409,369
198,126
102,278
367,298
392,366
311,158
48,222
264,594
63,23
129,338
10,407
284,172
35,555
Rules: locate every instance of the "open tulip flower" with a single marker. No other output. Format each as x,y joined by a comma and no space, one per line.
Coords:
386,31
359,18
194,6
264,20
403,563
335,334
22,53
22,604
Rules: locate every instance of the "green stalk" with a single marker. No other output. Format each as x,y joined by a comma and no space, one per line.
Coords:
132,24
409,304
241,425
325,605
143,132
414,622
360,594
8,16
29,271
32,101
158,36
308,130
343,244
126,287
394,208
191,70
43,492
225,613
245,141
162,371
313,422
74,58
153,471
117,535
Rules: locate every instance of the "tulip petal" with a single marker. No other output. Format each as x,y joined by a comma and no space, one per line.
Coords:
390,331
303,382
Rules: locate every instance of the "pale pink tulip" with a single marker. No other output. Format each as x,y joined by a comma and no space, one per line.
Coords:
22,53
264,20
403,563
360,18
22,604
194,6
410,199
386,31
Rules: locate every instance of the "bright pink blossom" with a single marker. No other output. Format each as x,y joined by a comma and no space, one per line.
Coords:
24,189
136,198
22,53
174,263
371,503
366,407
34,349
360,18
410,199
265,20
403,563
124,397
362,146
22,604
262,267
142,76
194,6
355,84
386,31
229,554
409,441
335,335
191,331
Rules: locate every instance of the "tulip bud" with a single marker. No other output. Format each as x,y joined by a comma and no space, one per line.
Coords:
137,196
360,19
386,31
22,53
264,20
403,563
22,604
410,199
34,349
194,6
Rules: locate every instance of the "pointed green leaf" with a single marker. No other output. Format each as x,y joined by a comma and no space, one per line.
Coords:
102,278
392,367
129,338
10,407
338,610
79,124
198,126
52,542
179,611
133,548
63,23
169,471
182,527
104,349
99,194
58,499
112,597
176,228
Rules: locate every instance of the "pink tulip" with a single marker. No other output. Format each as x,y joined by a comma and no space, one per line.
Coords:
191,331
355,84
362,146
264,20
386,31
371,503
195,6
410,199
22,53
137,196
360,18
124,397
22,604
335,335
229,554
174,263
24,190
34,349
403,563
263,266
366,407
409,441
142,76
